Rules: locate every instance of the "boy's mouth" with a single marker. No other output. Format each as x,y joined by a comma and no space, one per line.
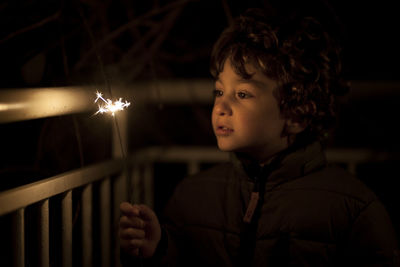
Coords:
223,131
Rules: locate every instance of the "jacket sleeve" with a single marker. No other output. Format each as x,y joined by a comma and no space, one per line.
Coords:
173,230
372,240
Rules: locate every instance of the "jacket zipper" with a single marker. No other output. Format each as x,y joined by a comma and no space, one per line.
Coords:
254,198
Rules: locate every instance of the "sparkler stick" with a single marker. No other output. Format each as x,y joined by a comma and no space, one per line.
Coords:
111,107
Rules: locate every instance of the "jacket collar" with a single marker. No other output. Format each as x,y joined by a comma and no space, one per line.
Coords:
286,165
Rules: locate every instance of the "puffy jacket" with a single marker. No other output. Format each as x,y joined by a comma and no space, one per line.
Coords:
308,214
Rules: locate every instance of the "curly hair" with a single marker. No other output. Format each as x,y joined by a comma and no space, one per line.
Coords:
299,54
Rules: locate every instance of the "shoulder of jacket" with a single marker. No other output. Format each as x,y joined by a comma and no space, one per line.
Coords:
335,180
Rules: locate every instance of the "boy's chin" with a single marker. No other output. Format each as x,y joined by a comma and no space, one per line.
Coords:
226,148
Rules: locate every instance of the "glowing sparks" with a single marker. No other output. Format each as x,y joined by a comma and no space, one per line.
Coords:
109,106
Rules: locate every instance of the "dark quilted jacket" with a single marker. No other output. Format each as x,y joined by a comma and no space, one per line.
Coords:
309,215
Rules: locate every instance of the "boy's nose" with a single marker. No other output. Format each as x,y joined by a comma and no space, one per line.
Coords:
222,108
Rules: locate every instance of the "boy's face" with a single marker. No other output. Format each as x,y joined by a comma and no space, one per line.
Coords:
246,116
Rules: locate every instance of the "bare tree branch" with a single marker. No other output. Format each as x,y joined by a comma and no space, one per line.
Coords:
157,43
228,12
31,27
128,25
157,28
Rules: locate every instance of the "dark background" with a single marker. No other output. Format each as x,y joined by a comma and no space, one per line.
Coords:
52,42
90,42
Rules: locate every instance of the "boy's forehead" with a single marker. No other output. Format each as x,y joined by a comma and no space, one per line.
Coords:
257,77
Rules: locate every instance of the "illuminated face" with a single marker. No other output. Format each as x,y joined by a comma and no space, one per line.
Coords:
246,116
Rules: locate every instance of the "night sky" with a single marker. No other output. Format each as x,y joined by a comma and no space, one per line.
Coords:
49,43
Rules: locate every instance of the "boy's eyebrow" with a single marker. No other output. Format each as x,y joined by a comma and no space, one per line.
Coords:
257,83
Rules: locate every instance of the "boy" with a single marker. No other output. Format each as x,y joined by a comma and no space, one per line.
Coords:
277,203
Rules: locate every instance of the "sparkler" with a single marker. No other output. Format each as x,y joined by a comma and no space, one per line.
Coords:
110,106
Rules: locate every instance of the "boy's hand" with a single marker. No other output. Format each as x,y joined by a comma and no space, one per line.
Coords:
139,230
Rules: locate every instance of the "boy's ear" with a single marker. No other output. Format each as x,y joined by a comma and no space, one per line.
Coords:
295,127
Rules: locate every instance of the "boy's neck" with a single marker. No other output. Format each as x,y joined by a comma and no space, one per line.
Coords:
249,159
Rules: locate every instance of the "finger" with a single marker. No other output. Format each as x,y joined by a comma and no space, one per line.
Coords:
131,233
135,252
128,209
131,222
146,213
129,245
136,243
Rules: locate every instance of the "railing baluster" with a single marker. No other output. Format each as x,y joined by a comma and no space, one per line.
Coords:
87,246
193,167
135,185
44,255
148,184
19,240
105,225
66,226
352,167
120,195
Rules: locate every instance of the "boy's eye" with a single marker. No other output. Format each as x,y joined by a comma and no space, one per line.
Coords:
243,95
217,93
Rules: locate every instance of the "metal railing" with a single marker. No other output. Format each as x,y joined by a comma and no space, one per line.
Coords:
109,177
107,180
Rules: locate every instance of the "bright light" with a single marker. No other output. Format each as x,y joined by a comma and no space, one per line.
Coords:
109,106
